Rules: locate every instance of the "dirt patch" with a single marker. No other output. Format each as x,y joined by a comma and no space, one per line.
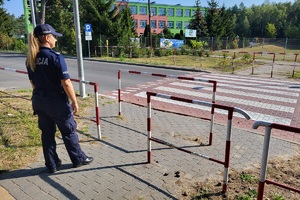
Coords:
243,184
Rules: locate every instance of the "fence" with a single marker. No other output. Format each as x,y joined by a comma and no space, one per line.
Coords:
175,77
264,162
216,43
228,136
85,82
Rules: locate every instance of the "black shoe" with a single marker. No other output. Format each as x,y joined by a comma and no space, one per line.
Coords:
87,161
53,170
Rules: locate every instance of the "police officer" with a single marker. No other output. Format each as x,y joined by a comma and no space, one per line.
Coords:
52,90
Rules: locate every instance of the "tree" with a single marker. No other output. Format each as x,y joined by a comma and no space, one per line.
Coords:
241,24
6,22
179,36
198,23
60,16
146,31
126,25
167,33
293,32
218,21
271,30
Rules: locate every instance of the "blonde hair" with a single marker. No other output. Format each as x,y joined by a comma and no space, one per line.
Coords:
33,49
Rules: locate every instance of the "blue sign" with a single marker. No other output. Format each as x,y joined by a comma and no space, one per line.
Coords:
88,27
170,43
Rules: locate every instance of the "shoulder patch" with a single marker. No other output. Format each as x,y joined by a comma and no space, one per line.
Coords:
52,51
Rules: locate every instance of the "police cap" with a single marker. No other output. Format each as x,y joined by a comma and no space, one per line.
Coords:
45,29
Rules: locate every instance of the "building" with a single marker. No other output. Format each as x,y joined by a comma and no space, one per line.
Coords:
175,17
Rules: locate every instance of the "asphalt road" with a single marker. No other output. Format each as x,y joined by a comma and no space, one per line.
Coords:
103,73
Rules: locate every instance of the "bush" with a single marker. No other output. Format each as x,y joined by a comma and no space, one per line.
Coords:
163,52
247,58
185,50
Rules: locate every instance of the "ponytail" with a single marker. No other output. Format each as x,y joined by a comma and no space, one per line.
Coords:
33,49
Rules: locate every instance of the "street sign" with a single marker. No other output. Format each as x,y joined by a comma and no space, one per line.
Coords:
88,31
88,28
88,37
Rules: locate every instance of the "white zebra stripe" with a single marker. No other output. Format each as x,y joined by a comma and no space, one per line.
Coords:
254,116
229,99
247,94
254,87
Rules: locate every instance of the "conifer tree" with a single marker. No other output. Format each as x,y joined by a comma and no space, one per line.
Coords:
198,23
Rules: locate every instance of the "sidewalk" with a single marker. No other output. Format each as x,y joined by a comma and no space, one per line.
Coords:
120,169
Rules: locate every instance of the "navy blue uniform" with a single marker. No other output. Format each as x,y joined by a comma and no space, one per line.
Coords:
51,104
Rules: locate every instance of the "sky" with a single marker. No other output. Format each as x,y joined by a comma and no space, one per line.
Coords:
15,7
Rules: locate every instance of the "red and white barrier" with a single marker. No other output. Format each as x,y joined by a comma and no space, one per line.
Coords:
295,61
76,80
265,154
176,77
214,105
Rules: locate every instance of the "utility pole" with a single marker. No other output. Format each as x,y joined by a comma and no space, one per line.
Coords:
33,12
79,49
150,36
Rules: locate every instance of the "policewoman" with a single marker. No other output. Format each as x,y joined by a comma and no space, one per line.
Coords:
52,93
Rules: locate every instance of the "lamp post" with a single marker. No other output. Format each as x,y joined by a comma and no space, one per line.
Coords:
150,37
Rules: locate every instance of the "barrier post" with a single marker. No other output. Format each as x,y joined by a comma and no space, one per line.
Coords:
272,64
227,150
130,55
176,77
149,128
97,111
119,91
265,153
233,62
296,55
228,136
253,63
81,81
264,162
174,56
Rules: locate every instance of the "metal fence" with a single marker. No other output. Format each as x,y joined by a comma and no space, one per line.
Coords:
214,43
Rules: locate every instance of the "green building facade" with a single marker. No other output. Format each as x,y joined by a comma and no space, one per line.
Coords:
175,17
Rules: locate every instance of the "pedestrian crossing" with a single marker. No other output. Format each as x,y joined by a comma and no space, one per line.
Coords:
264,99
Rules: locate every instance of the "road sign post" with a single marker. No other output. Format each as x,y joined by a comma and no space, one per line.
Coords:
79,49
88,35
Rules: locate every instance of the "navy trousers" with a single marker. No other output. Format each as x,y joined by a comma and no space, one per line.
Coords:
53,109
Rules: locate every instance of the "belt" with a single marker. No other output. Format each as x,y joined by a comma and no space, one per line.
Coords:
48,93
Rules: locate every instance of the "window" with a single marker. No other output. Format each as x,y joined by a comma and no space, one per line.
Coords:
134,23
122,7
143,10
179,12
143,23
161,24
153,24
186,24
171,12
170,24
161,11
193,12
187,13
133,10
112,7
153,11
178,25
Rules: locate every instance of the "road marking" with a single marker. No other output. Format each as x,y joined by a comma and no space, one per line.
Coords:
254,115
257,93
229,99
